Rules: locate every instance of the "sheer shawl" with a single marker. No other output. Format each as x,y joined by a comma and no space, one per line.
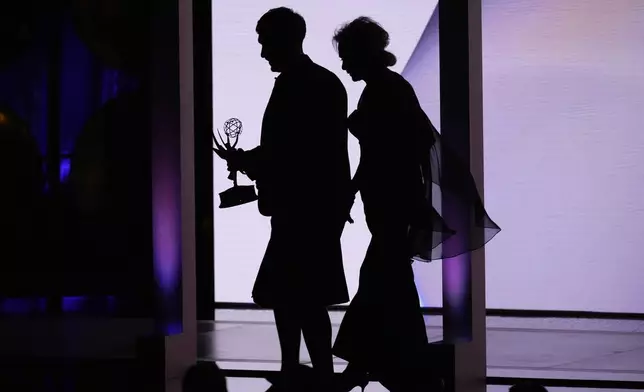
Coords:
451,219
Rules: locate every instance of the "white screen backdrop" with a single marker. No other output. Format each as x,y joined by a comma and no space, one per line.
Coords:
563,96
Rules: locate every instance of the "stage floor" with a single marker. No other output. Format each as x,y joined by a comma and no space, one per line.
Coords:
244,343
580,349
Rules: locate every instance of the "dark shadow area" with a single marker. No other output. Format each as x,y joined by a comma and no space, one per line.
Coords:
75,155
76,235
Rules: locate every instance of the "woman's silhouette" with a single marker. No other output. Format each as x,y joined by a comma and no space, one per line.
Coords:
383,332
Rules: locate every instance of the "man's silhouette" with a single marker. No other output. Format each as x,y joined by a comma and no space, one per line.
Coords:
301,169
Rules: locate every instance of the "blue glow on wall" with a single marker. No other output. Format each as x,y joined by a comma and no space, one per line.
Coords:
18,306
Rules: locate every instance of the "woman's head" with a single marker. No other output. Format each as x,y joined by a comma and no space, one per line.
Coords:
361,45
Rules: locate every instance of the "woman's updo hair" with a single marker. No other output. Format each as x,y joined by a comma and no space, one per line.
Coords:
365,37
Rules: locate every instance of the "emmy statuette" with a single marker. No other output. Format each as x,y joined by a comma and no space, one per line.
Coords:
238,194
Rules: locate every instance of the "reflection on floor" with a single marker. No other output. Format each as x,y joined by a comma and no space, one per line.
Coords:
517,347
259,385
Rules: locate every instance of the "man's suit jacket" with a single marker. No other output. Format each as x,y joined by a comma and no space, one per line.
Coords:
301,167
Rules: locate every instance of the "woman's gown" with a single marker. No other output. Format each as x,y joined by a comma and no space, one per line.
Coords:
384,325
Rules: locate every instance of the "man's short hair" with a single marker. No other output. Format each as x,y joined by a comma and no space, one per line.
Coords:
283,23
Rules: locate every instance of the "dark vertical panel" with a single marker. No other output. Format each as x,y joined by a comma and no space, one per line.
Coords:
166,163
455,129
462,130
202,28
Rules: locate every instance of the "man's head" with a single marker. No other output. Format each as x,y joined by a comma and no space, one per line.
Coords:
281,32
